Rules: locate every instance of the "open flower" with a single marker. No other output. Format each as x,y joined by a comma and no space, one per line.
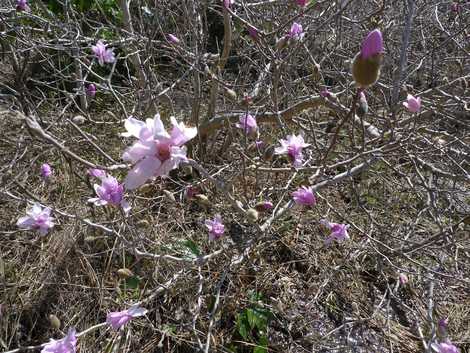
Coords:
403,279
37,218
119,318
445,347
293,146
46,171
413,104
110,192
248,123
156,152
339,232
67,344
215,227
22,5
102,54
304,196
296,31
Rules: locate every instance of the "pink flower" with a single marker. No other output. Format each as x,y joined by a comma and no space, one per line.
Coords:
296,31
253,32
90,90
442,326
67,344
22,5
302,3
119,318
228,3
372,45
46,171
413,104
304,196
325,93
248,123
292,146
403,278
445,347
37,218
110,192
173,39
339,232
97,173
215,227
156,152
102,54
455,7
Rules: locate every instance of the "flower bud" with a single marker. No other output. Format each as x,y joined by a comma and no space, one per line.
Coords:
202,200
124,273
366,72
54,321
231,93
143,223
169,196
281,43
263,206
79,119
252,215
363,107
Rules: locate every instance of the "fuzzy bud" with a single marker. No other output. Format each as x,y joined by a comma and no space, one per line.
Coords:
124,273
143,223
79,119
169,196
54,321
363,107
252,215
366,72
202,200
263,206
281,43
231,93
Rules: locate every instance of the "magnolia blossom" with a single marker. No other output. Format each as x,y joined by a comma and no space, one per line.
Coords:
110,192
97,173
442,326
304,196
248,123
215,227
296,31
46,171
293,146
119,318
339,232
372,44
102,54
228,3
90,90
67,344
22,5
325,93
173,39
37,218
413,104
253,32
157,152
403,278
302,3
445,347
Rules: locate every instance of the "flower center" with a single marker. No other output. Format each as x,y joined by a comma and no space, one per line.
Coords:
163,152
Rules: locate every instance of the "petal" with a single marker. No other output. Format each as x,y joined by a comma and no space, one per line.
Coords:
133,127
138,151
25,222
136,311
125,207
159,131
142,171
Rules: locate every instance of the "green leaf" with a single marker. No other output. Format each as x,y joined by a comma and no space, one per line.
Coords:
262,346
132,282
241,324
192,247
251,315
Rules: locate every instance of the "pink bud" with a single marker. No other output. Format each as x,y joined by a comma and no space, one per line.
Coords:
173,39
403,279
302,3
91,90
372,45
253,32
46,171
